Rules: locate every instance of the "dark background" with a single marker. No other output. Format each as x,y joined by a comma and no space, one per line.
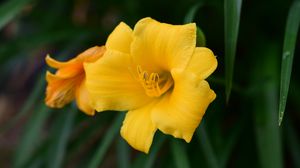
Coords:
241,133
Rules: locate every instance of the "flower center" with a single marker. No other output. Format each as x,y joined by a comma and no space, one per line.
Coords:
154,84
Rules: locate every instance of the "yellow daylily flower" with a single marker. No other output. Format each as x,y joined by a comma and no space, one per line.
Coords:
157,73
68,83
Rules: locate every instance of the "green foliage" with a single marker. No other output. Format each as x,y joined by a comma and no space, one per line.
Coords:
232,12
290,39
62,130
179,154
189,17
206,146
10,9
30,138
123,154
242,132
268,137
106,142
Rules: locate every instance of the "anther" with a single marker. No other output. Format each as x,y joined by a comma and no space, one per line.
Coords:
151,83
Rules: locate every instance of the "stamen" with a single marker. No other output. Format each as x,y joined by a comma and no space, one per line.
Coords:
151,83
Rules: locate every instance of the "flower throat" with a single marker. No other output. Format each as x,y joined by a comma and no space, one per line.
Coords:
154,84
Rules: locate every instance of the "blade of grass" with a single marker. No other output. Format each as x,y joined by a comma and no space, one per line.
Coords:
123,154
10,9
85,134
200,41
106,142
34,95
155,149
232,11
62,128
179,154
30,138
204,141
290,38
189,17
36,163
86,131
147,161
28,145
38,88
139,161
268,134
221,82
232,140
40,154
23,45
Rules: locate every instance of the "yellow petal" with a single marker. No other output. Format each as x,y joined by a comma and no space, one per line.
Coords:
203,62
120,39
138,129
180,111
59,91
89,55
83,100
71,71
162,47
92,54
68,81
74,67
57,64
111,84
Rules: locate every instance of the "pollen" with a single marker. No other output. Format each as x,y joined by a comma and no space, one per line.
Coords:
153,84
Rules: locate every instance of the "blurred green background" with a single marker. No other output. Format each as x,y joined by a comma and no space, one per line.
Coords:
240,132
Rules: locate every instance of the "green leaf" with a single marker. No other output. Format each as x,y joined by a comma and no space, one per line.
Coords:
232,139
30,139
10,9
62,131
290,38
154,150
37,163
34,95
147,161
179,154
23,45
39,87
232,11
208,151
106,142
200,41
139,161
86,129
123,154
265,99
189,17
